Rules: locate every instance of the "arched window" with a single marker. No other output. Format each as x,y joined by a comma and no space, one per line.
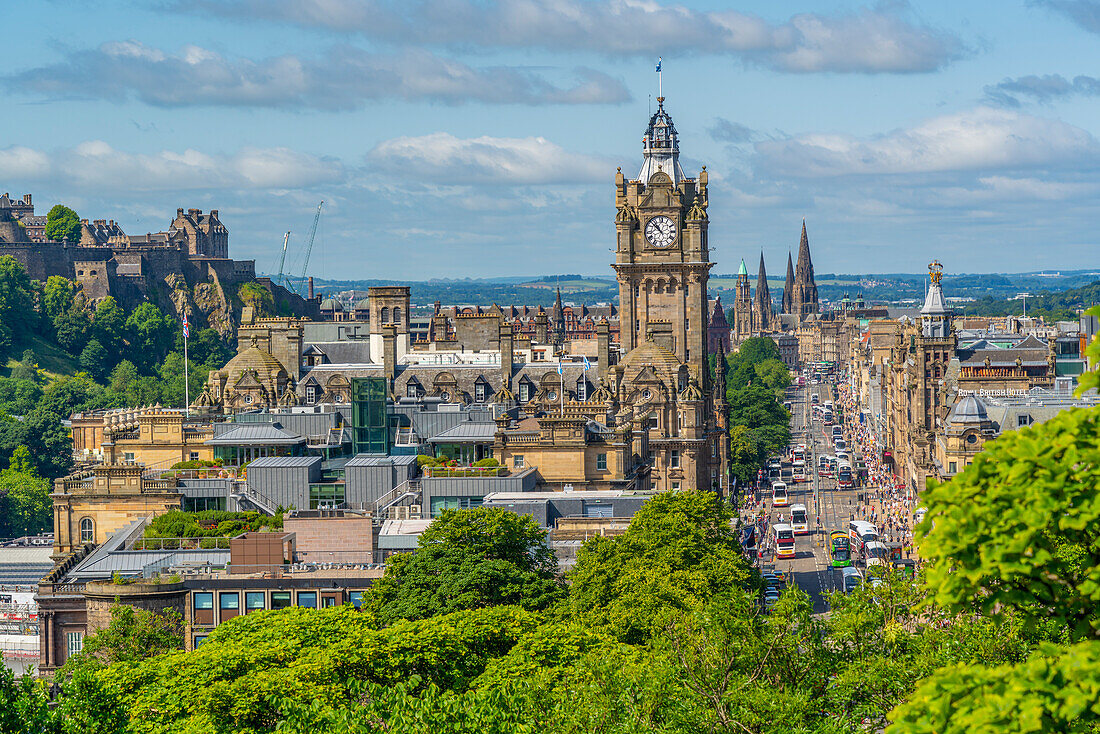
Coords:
87,530
385,315
397,315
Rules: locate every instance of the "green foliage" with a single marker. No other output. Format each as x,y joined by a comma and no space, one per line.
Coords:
208,524
94,360
469,559
759,425
132,635
1019,529
488,463
57,296
18,397
678,551
72,328
25,504
255,295
108,324
1091,380
150,334
24,706
17,314
62,224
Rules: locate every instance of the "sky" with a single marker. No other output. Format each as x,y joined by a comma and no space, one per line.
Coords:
477,138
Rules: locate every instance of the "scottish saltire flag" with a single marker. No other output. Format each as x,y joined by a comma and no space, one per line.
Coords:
658,64
587,364
186,328
559,365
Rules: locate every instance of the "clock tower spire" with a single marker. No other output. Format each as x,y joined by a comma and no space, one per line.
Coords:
662,261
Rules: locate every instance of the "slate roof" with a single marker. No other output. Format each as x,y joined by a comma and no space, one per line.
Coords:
280,462
468,432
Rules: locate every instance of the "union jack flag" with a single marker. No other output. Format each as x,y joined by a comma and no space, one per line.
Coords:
186,328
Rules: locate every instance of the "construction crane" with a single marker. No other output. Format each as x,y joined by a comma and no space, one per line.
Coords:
309,244
281,279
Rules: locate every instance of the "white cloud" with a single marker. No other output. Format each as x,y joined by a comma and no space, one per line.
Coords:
95,165
345,78
977,139
444,157
871,40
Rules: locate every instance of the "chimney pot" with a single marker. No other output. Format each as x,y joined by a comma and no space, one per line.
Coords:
179,212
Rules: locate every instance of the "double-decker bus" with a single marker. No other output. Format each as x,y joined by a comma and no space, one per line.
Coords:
798,453
800,521
844,476
783,535
840,551
798,471
779,495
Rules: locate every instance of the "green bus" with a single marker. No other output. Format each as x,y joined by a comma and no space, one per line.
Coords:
839,550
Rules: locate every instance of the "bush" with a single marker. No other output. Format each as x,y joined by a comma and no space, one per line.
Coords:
489,462
423,460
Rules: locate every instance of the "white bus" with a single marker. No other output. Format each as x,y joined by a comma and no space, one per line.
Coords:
800,520
783,535
798,471
875,553
850,579
780,498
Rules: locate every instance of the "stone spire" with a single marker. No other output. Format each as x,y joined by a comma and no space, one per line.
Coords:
762,301
742,306
557,320
804,301
788,286
661,147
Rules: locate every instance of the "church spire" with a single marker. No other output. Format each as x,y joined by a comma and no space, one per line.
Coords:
788,286
762,302
661,147
804,301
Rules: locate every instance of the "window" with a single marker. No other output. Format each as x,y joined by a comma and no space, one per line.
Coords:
674,462
397,314
439,504
601,462
76,642
229,600
652,456
128,456
328,600
254,600
582,389
199,639
87,530
311,393
385,315
325,495
412,389
481,391
952,467
653,420
356,598
280,599
553,395
517,461
307,599
1023,420
193,456
971,438
675,486
201,504
524,391
203,600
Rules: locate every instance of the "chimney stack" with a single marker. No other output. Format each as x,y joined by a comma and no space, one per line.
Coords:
311,287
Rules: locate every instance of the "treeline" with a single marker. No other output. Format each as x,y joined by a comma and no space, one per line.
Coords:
660,629
756,379
1051,306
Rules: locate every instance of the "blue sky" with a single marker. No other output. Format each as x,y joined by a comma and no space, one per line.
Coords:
454,138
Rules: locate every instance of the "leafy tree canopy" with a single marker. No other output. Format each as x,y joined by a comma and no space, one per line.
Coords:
62,223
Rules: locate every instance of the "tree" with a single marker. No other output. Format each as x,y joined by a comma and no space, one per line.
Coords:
149,333
206,347
679,550
18,397
49,442
62,224
71,328
16,299
26,502
108,325
57,296
95,360
132,635
746,453
27,369
468,559
171,379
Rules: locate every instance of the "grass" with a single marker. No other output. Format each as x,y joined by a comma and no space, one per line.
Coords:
51,359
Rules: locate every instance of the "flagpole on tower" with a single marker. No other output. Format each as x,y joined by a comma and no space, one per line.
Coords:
660,82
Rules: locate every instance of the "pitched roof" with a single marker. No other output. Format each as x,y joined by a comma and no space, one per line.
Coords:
257,434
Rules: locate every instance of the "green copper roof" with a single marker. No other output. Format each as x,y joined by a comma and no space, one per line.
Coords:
743,270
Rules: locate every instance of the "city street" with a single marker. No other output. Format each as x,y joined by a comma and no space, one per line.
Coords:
828,507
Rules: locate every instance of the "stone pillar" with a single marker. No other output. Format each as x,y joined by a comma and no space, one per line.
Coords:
603,349
389,354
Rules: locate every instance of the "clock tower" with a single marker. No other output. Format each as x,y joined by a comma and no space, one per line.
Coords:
662,261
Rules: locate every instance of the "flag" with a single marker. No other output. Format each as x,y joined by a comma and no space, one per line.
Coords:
658,64
186,327
587,364
559,366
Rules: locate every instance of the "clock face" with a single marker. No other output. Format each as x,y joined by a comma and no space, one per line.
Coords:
660,231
